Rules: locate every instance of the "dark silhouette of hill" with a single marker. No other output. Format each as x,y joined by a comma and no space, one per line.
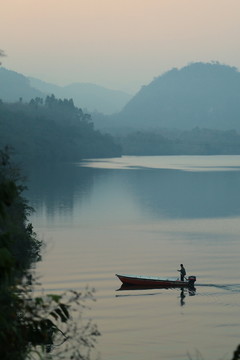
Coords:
205,95
15,86
52,130
93,98
190,142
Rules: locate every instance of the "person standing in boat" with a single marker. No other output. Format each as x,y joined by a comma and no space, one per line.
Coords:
182,272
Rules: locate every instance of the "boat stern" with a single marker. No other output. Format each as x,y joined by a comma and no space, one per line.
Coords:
191,280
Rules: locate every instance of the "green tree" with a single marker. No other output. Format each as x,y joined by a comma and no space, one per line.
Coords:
52,130
32,325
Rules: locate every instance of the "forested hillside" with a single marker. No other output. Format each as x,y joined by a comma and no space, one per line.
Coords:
194,142
52,130
206,95
193,110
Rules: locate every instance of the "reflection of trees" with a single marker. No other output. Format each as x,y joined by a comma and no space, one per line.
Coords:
55,186
162,193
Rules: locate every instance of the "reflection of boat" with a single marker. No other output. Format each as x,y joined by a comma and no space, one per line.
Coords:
154,281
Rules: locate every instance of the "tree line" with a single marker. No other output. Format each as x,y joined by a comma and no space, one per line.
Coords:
193,142
52,129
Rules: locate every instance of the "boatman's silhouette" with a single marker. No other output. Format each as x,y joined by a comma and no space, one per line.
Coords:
182,272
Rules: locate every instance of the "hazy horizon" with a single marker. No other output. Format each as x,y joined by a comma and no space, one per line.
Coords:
120,45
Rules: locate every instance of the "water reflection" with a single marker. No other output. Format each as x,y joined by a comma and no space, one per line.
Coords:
56,187
186,292
155,193
144,291
180,194
113,220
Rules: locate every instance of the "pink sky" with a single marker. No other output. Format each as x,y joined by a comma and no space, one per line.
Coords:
120,44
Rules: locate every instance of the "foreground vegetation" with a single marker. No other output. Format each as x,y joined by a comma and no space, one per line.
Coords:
32,327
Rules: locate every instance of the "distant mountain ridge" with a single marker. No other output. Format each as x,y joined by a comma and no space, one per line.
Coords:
15,86
205,95
94,98
90,97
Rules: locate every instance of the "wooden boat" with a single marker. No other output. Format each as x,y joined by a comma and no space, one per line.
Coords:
155,281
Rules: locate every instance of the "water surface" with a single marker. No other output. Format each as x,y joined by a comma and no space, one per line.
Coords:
145,216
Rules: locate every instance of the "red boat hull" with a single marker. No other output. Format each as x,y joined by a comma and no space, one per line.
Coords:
150,281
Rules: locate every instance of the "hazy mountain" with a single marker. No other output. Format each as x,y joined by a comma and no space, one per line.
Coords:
206,95
14,86
92,97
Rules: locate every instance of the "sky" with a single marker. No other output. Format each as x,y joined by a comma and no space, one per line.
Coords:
119,44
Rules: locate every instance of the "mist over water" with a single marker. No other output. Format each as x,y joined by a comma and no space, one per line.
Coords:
145,216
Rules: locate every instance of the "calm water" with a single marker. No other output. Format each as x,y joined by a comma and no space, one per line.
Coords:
145,216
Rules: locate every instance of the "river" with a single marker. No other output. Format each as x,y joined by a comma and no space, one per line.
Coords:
145,216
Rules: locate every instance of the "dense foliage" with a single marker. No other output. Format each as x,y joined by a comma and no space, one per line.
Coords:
18,244
194,142
33,325
52,130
